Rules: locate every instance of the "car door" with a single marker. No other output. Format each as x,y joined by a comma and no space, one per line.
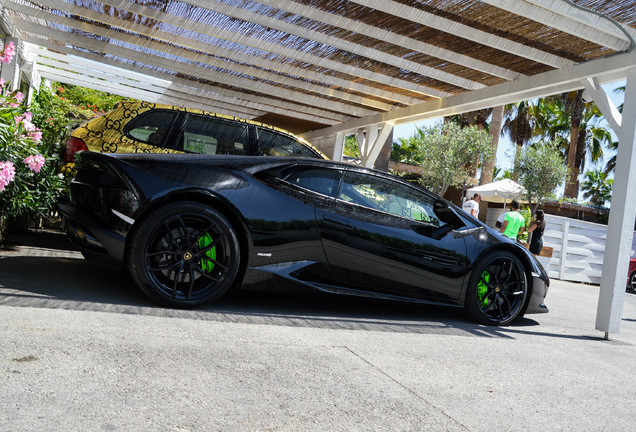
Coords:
388,237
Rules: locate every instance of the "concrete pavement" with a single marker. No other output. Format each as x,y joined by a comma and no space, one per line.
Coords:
82,349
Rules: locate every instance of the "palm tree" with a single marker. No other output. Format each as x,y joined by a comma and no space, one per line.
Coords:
573,105
496,124
610,165
597,187
556,119
518,124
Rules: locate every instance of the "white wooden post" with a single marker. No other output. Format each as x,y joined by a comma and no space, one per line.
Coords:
362,143
372,135
339,146
621,220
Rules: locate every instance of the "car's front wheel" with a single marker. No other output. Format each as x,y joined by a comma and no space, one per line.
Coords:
497,290
184,254
632,282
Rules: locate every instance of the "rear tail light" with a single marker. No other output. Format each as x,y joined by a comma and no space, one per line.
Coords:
73,145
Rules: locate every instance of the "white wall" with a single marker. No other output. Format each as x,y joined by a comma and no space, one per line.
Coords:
578,249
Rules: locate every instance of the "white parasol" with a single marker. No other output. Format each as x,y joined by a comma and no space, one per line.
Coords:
500,191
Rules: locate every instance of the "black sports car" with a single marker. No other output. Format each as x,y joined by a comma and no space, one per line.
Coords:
190,227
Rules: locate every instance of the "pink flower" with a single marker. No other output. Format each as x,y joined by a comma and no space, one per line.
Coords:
2,82
8,53
7,174
26,121
19,96
35,163
37,135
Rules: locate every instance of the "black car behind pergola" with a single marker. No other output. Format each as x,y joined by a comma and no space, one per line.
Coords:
190,227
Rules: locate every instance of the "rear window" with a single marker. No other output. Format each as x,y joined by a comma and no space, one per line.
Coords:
275,144
151,127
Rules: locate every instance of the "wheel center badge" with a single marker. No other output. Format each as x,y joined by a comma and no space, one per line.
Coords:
187,256
497,289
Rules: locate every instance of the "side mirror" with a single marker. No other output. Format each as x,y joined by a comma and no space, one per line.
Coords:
447,215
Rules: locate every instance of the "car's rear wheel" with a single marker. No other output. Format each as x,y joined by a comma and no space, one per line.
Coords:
497,289
185,254
632,281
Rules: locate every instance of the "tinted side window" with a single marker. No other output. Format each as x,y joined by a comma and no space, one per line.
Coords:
151,127
210,135
388,196
275,144
322,181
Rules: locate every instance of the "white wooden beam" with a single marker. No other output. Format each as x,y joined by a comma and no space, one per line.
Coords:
316,36
189,70
223,78
461,30
265,105
339,146
219,52
546,84
156,95
391,37
281,67
134,77
620,229
559,15
586,17
370,140
258,43
124,91
602,100
382,134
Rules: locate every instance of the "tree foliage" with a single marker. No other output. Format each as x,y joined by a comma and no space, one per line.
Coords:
541,171
61,108
446,153
597,187
351,147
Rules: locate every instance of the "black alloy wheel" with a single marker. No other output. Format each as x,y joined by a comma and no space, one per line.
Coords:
184,255
497,290
632,282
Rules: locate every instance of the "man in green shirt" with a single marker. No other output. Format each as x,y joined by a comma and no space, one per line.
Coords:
513,223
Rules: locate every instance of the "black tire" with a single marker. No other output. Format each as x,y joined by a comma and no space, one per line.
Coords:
497,290
632,282
184,255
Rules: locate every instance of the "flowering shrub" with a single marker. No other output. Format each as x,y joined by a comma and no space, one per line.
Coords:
7,53
29,183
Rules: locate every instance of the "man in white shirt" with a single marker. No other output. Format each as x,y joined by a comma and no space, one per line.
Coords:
471,206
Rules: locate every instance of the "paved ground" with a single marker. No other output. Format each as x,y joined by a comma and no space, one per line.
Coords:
82,349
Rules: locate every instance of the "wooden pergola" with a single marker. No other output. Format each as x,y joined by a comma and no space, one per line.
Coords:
330,68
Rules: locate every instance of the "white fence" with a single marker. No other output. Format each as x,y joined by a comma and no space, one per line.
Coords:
578,249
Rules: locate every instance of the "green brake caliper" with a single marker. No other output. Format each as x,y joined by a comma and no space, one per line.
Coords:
482,289
205,241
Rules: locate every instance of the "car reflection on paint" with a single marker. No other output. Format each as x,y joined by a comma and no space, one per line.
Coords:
189,228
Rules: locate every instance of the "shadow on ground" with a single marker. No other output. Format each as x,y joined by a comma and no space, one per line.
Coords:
42,270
